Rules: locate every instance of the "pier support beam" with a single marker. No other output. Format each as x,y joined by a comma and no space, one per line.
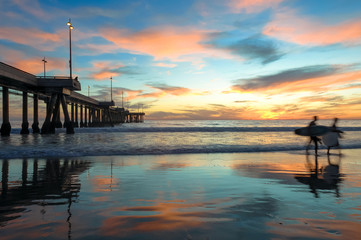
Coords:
72,113
68,124
76,124
53,112
35,125
25,124
89,117
85,116
5,126
46,128
110,117
81,116
58,121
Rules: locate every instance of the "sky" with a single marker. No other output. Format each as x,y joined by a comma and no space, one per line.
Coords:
197,59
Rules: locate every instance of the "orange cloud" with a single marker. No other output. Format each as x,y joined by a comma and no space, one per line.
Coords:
106,69
36,66
252,6
166,43
167,65
103,75
330,82
164,90
288,26
32,37
32,65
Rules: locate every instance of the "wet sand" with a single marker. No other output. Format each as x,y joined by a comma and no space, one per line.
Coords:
268,195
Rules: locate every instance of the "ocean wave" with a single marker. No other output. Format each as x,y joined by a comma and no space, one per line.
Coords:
65,152
187,129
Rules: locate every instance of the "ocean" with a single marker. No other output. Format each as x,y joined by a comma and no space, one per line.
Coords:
172,137
180,180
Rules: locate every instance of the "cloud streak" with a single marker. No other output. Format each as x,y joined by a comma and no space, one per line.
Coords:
107,69
38,39
289,26
252,6
177,44
256,47
287,76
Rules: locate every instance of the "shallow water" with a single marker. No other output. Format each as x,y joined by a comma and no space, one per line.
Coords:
269,195
172,137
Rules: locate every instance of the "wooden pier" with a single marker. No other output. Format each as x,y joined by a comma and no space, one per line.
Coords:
58,93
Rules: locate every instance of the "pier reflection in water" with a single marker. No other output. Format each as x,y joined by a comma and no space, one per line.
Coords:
230,196
54,183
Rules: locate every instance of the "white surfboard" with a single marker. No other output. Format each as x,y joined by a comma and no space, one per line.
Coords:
330,139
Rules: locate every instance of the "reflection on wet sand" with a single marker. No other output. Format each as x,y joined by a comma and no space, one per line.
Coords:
56,183
322,178
304,228
160,216
225,196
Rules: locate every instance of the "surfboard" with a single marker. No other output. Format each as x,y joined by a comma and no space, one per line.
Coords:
317,130
330,139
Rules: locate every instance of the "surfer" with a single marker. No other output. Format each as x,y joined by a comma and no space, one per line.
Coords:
335,130
314,139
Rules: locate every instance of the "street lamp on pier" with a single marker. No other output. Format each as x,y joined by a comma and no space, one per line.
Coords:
111,89
70,28
44,65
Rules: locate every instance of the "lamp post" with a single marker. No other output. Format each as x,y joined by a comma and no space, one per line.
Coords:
111,89
88,90
44,65
122,99
70,28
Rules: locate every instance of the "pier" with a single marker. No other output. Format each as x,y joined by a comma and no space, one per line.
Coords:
59,93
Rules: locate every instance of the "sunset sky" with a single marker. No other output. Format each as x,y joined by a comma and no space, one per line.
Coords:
197,59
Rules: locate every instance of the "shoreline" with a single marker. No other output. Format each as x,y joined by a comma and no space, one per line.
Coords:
321,153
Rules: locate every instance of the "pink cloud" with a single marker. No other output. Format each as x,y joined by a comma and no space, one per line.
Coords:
95,49
33,65
36,66
166,43
33,7
252,6
106,69
288,26
176,91
32,37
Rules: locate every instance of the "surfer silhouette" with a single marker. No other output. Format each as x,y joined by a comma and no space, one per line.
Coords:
335,134
313,139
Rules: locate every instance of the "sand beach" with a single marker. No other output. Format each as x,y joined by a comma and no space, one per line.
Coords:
267,195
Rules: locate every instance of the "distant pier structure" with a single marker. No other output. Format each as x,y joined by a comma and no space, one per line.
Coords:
59,93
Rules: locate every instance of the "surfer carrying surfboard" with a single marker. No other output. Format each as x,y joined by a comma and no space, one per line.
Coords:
331,139
313,138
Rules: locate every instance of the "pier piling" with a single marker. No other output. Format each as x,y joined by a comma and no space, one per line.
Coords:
35,125
5,126
25,124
